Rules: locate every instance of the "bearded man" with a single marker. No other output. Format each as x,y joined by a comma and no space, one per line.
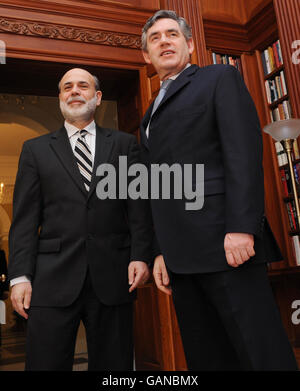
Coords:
73,256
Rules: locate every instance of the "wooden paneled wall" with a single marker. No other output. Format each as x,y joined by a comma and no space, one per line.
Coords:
232,11
288,19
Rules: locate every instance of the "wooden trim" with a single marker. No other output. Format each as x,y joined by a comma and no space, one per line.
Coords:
69,33
229,37
262,28
102,9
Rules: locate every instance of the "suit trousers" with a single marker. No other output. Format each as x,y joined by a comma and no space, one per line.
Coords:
52,331
229,321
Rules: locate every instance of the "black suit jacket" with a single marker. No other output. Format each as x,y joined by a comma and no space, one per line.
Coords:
208,117
58,230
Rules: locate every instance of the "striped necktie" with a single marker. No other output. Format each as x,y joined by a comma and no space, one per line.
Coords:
84,159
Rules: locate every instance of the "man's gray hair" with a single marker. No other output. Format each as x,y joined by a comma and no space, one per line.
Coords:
166,14
96,80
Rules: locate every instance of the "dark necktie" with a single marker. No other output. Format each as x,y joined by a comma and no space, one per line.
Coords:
84,159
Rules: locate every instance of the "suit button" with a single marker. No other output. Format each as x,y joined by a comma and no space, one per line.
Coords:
90,237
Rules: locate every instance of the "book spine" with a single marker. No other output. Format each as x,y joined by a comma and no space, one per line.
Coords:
266,54
279,52
296,150
289,211
263,60
296,246
214,57
283,181
275,51
282,79
272,58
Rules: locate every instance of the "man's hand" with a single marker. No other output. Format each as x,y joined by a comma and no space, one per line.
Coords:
21,297
161,275
239,247
138,274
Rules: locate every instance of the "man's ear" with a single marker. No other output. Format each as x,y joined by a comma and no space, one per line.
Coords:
99,97
191,46
146,57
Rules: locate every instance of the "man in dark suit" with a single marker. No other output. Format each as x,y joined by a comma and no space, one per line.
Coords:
212,259
73,256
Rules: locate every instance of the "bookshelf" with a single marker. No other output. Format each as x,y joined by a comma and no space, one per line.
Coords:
278,106
264,72
221,58
275,82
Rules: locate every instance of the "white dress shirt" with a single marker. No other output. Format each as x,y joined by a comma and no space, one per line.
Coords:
73,134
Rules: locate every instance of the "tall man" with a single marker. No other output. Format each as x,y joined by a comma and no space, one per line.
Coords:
72,255
212,259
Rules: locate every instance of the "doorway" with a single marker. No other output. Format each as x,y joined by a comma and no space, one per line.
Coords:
29,108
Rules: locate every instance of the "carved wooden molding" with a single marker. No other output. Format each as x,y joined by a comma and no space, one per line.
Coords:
51,31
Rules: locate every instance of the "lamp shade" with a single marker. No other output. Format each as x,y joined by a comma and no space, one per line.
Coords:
284,129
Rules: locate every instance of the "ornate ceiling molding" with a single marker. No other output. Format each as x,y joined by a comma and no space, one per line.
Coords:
62,32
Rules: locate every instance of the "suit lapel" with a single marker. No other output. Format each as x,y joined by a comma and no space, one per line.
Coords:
60,144
103,150
183,79
144,124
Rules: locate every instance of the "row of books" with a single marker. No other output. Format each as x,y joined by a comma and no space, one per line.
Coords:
272,58
292,214
282,111
282,156
287,182
293,222
226,59
276,88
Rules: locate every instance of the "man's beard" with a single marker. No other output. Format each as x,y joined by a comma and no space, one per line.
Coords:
83,112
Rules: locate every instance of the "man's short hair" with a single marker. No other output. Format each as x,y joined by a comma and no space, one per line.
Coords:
166,14
96,80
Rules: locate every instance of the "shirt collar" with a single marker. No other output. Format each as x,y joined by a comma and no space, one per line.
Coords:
174,77
71,129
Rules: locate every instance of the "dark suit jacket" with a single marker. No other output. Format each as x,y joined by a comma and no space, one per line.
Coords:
58,230
208,117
